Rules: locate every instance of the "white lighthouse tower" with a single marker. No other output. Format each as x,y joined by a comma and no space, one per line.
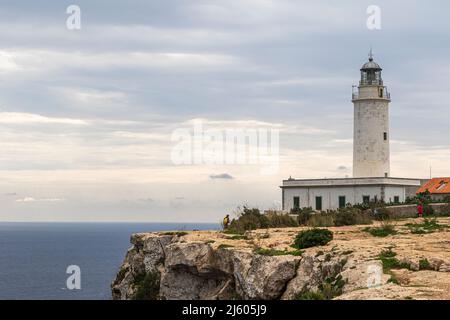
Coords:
371,155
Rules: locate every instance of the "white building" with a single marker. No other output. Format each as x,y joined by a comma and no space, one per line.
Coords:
371,156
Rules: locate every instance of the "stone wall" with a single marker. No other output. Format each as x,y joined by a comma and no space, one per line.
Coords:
410,211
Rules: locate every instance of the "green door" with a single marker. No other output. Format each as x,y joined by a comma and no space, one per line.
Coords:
318,203
296,202
342,202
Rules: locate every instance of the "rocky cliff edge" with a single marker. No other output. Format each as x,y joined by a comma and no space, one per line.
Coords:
263,265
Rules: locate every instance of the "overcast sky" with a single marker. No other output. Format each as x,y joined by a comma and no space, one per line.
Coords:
86,116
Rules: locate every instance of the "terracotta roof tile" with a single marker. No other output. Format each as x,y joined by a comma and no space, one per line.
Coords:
436,186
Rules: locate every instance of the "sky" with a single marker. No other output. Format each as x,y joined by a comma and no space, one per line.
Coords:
88,116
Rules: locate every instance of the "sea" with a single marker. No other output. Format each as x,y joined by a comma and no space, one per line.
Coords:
34,257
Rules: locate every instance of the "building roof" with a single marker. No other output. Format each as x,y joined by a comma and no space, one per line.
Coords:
436,186
352,182
371,65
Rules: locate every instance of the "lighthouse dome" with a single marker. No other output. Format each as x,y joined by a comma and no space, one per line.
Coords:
371,65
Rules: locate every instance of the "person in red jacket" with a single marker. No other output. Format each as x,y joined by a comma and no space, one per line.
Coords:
420,210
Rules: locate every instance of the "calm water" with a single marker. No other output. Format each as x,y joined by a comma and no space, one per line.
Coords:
34,256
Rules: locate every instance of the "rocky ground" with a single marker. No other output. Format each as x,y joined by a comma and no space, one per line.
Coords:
214,265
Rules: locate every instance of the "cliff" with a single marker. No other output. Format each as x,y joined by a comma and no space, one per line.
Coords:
262,265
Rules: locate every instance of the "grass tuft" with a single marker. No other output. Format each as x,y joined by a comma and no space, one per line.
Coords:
424,264
147,286
389,261
175,233
386,229
428,226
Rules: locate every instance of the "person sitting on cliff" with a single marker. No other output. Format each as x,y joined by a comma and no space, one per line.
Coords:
226,221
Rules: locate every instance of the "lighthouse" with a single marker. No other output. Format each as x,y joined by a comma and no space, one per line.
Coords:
372,180
371,155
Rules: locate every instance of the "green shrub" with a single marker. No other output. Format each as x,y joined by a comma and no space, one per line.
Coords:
424,264
296,210
343,217
321,220
313,237
276,220
328,289
393,263
147,286
319,253
304,214
252,219
389,261
387,253
351,216
428,210
248,219
428,226
382,214
410,200
296,253
424,197
386,229
121,275
419,231
432,224
175,233
393,279
371,205
332,287
309,295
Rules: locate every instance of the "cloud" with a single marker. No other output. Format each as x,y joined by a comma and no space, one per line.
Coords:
225,176
88,115
31,199
29,118
54,61
7,63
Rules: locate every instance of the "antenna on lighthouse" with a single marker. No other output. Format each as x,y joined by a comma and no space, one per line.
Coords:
370,54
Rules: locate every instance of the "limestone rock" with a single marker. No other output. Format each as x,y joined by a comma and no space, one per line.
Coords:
263,277
212,265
